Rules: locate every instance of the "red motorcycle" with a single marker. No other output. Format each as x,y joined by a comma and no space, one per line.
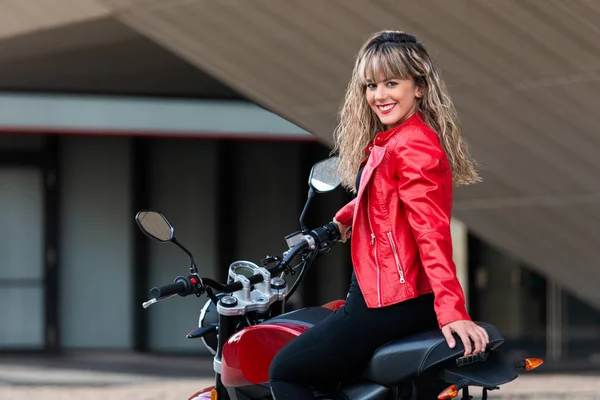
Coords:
244,324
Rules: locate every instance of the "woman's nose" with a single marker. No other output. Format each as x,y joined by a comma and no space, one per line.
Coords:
379,93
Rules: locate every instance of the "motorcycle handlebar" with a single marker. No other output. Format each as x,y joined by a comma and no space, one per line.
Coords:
180,286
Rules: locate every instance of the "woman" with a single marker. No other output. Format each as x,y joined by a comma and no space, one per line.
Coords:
400,150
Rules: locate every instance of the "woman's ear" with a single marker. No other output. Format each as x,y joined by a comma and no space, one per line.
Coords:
419,92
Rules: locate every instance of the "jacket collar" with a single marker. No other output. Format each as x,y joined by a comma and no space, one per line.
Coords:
382,138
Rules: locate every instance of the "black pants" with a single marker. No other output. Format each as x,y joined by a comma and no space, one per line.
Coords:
340,346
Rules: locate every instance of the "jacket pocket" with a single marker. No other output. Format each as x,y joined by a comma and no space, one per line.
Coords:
396,258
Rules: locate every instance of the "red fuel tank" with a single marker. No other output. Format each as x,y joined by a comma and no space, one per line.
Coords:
247,355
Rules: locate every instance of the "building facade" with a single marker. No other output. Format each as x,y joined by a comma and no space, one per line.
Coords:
110,106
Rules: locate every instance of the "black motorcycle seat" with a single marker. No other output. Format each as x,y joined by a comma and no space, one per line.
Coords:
402,359
409,357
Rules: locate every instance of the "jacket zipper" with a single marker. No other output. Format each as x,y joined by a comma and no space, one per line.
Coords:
374,255
398,265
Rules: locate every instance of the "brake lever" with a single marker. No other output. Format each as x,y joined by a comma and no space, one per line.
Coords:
148,303
270,260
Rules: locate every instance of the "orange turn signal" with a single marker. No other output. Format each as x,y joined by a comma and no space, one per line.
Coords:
533,363
450,393
213,394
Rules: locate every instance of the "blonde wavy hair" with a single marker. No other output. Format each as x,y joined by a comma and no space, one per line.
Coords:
397,55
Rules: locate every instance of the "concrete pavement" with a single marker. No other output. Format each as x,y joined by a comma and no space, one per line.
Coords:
133,377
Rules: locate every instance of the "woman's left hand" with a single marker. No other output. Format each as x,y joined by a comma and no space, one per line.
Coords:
345,231
467,331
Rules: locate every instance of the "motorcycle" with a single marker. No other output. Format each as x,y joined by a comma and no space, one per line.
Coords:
244,324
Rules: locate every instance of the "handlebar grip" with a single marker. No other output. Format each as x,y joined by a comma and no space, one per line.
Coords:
179,286
327,233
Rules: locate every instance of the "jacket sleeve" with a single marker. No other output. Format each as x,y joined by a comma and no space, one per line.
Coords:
346,214
423,177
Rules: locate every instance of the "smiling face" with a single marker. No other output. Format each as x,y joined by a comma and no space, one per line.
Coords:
393,82
392,100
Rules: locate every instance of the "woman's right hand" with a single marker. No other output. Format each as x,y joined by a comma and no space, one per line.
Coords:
345,231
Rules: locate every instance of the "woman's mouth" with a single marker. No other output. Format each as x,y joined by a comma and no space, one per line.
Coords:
386,108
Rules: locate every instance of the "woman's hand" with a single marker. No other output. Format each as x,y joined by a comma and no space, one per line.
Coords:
467,331
345,231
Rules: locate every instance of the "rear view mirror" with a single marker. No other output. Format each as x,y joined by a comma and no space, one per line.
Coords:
155,225
323,176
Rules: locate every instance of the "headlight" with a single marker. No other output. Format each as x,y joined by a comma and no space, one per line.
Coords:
209,316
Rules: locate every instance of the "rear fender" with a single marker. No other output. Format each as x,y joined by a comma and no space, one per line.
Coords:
204,394
493,372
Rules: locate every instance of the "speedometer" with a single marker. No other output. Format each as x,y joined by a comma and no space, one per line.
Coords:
244,268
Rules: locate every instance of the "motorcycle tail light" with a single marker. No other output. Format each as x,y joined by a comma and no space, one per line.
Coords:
533,363
450,393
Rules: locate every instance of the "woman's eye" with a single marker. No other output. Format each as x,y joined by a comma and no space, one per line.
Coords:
392,84
371,85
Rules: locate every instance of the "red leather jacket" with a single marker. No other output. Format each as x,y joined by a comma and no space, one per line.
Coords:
401,245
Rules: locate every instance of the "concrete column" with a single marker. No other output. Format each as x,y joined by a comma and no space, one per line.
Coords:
460,253
554,325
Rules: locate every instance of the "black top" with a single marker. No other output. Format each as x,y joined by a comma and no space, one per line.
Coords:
358,176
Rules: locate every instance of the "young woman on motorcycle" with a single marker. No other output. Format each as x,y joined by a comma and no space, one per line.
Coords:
401,151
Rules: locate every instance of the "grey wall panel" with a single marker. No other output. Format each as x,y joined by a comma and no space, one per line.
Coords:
183,188
95,252
21,258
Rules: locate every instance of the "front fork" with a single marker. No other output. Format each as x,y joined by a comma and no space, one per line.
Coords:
227,327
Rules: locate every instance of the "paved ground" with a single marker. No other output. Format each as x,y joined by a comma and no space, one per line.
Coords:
155,390
135,377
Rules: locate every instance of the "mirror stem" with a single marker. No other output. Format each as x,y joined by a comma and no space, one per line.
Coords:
311,194
193,269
